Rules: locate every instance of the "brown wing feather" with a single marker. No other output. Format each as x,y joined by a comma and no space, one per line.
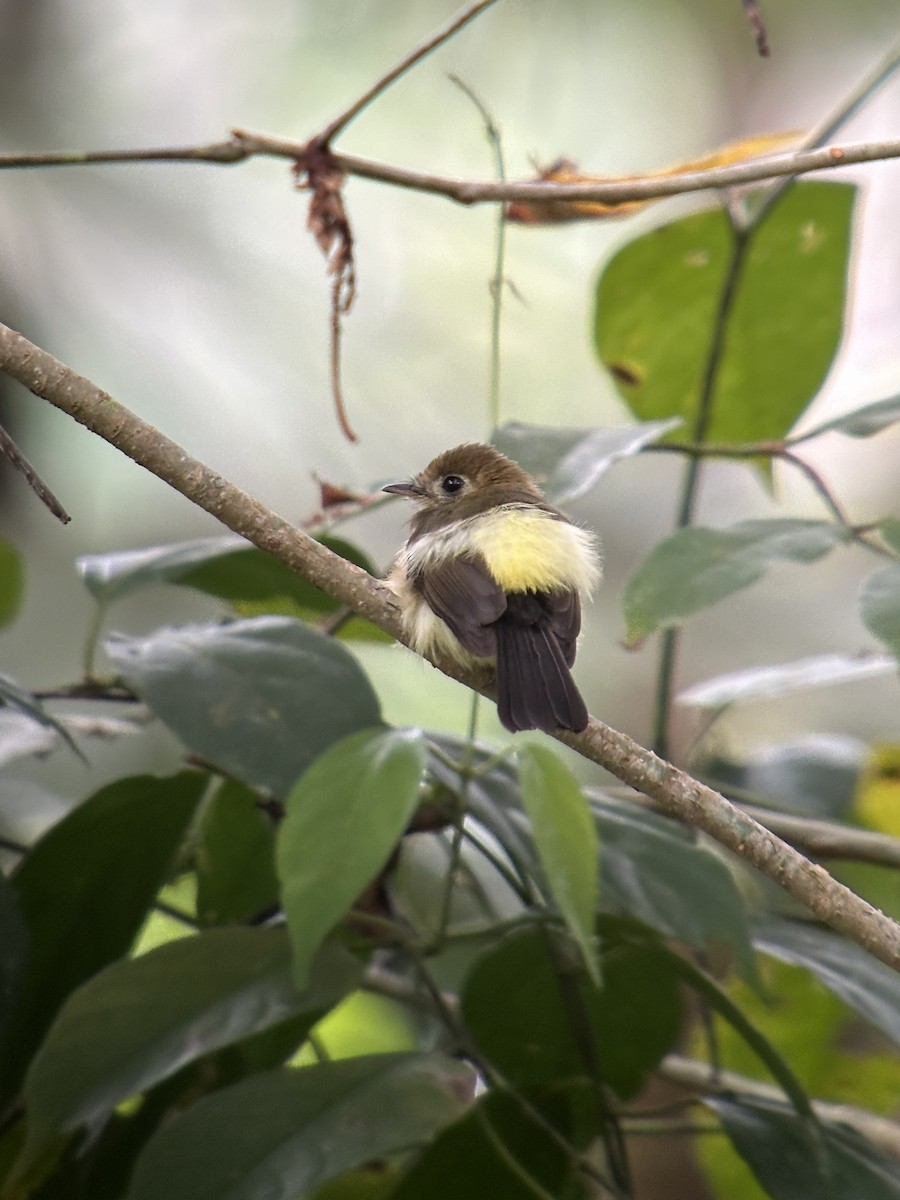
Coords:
563,611
462,593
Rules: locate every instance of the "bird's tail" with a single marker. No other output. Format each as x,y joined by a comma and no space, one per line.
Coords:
534,687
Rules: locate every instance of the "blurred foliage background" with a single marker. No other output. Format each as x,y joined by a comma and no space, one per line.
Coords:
195,295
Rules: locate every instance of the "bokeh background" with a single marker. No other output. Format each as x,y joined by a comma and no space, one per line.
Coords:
195,296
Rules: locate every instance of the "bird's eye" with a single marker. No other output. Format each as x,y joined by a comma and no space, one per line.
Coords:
452,483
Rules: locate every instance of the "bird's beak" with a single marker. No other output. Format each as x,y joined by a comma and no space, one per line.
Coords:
410,490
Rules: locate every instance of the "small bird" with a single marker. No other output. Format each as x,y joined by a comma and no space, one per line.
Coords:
491,573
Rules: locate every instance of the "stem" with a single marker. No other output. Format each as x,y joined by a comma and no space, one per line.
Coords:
340,123
465,774
492,131
91,639
511,1163
819,134
671,638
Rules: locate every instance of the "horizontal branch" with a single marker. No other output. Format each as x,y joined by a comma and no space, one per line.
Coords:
702,1078
244,144
677,793
821,839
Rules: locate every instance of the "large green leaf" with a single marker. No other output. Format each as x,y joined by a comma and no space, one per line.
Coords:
657,301
226,567
861,981
473,1157
12,582
515,1006
698,567
13,953
84,892
879,603
235,857
281,1133
768,683
654,871
817,776
344,818
261,698
565,835
568,462
141,1020
775,1143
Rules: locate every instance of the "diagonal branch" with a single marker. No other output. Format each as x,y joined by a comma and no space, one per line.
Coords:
676,793
340,123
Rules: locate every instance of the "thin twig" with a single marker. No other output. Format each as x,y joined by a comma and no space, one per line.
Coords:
679,795
698,1077
670,640
492,131
340,123
826,129
245,144
11,451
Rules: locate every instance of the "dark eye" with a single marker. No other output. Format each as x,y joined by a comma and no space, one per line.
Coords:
452,483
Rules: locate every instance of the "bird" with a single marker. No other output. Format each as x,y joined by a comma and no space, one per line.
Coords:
491,574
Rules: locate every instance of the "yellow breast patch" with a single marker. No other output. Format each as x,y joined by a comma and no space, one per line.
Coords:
532,551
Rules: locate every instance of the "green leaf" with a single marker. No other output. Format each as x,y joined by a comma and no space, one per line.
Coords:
84,892
889,531
775,1143
22,736
251,579
141,1020
235,858
861,422
568,462
565,836
260,698
471,1158
770,683
13,953
344,818
12,582
861,981
816,775
879,603
226,567
698,567
514,1008
657,301
654,871
281,1133
15,696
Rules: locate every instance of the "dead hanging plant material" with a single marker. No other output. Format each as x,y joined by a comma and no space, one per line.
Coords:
317,171
558,212
758,26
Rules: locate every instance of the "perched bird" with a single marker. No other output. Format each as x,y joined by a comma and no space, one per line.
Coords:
492,574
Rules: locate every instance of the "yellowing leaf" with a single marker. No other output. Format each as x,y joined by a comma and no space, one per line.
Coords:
555,212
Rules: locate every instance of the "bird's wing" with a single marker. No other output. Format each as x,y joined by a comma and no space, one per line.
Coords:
563,611
463,594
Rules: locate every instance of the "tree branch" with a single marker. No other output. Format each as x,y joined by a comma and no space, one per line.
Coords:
677,793
340,123
700,1077
244,144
